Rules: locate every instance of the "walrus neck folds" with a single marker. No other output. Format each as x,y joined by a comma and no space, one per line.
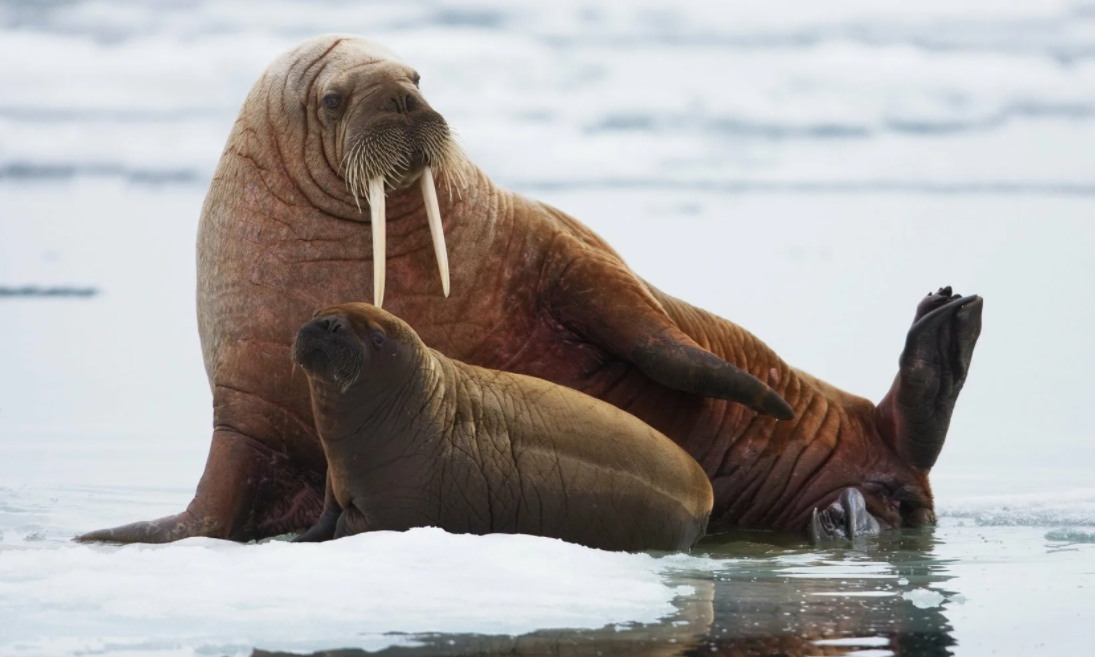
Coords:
365,404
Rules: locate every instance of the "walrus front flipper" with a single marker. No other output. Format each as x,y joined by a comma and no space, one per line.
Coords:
246,492
324,529
916,413
161,530
600,298
672,359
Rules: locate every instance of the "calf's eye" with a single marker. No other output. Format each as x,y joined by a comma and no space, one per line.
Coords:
378,340
332,100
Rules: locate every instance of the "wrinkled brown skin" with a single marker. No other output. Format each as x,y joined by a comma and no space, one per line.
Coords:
415,439
533,292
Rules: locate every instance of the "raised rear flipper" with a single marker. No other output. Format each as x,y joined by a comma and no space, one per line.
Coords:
916,413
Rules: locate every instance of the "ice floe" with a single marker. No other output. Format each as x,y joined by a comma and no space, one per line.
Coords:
217,595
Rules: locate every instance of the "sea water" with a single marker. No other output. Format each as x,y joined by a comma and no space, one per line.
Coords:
806,170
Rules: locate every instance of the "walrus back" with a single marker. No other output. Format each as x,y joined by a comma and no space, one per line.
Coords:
589,473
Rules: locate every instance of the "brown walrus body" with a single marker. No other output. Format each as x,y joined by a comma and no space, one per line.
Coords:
415,439
283,232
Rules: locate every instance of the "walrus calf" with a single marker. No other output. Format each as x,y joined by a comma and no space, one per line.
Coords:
415,439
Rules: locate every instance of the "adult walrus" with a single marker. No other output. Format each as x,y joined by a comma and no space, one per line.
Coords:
283,233
414,439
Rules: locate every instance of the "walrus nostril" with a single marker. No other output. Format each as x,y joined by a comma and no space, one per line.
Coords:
329,324
402,103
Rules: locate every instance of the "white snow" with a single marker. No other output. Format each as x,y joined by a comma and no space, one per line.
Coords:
206,595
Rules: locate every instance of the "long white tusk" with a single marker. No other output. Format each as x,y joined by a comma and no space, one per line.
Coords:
433,214
376,206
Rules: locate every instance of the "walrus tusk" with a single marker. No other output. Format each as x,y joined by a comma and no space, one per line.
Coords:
433,214
816,532
376,207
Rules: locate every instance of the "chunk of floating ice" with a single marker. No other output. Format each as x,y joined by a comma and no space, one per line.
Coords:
208,595
924,598
859,641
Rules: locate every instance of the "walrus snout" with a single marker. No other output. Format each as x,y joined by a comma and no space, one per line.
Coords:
846,517
329,350
329,324
399,97
387,154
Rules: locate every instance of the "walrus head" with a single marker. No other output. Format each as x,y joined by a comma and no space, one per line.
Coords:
342,345
354,120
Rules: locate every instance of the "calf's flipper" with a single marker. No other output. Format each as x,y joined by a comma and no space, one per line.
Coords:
324,529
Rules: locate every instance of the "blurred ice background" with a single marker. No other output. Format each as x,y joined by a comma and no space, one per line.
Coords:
808,170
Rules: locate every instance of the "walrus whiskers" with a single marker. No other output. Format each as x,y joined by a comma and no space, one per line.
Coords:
449,158
351,175
380,159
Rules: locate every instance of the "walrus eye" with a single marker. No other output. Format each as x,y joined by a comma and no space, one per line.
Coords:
332,100
417,78
378,340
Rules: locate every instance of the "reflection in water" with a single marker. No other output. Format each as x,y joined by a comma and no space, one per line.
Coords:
757,594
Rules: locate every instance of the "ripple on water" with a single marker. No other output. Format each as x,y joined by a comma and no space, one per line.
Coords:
1071,535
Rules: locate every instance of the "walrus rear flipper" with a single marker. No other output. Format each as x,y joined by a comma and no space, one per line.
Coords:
600,298
916,413
246,492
